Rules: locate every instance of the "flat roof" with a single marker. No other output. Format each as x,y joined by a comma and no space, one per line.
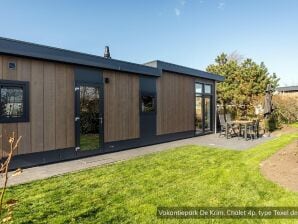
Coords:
184,70
287,89
154,68
21,48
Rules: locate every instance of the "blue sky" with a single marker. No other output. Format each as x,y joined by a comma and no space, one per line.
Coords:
186,32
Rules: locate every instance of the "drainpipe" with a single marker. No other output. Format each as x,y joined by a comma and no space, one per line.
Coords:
215,114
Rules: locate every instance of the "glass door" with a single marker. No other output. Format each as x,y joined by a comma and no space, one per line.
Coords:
89,117
199,115
207,114
203,108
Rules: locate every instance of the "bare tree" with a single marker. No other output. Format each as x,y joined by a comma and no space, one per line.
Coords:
13,143
235,56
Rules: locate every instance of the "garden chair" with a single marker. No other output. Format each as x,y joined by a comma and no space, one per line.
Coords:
225,128
234,128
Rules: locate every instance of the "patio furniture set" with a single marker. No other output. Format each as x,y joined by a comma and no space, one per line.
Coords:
248,129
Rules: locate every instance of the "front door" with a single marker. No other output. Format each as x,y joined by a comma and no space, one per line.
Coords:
89,117
203,108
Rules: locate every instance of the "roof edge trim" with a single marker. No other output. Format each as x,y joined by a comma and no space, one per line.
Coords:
184,70
26,49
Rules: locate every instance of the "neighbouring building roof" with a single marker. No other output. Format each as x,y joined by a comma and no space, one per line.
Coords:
184,70
287,89
154,68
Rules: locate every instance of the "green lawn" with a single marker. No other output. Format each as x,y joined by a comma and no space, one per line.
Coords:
129,192
295,125
89,142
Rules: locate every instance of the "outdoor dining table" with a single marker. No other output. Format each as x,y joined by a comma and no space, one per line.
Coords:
245,123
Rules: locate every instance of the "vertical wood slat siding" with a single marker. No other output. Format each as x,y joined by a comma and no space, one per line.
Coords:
61,141
175,103
8,129
24,130
37,111
42,130
121,106
49,106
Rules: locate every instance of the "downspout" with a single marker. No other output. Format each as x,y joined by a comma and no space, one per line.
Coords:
215,110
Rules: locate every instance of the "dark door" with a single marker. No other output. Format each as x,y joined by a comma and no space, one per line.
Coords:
89,110
203,108
147,109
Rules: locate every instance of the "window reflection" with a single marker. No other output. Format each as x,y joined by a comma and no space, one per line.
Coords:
148,104
207,113
89,118
11,102
199,88
199,115
207,89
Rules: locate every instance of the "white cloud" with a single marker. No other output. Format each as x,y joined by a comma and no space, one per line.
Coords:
221,5
177,12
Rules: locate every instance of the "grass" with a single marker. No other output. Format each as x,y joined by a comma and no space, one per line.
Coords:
89,142
295,125
129,192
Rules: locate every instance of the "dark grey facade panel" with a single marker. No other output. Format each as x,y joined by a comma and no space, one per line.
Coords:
20,48
148,119
184,70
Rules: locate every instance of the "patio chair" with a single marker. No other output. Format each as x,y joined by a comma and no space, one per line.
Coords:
232,126
225,128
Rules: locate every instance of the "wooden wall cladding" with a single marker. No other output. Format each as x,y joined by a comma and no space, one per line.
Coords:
121,106
175,103
51,124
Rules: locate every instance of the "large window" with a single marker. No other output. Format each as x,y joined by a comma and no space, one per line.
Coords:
14,99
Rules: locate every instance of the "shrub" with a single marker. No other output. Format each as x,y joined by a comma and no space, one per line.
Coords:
286,108
272,123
